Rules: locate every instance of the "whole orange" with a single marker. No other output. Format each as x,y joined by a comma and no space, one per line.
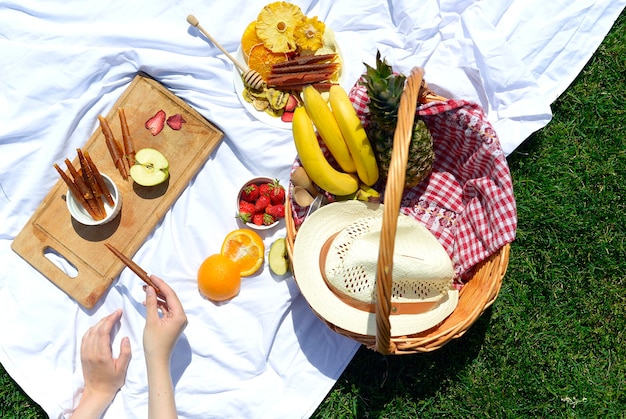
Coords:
219,278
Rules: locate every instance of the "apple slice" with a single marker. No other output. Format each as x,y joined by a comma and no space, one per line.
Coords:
278,257
151,167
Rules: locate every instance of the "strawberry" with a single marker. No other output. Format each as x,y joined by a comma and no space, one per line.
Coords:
291,105
250,193
245,206
262,219
277,211
264,189
246,217
246,209
257,218
262,203
277,192
268,220
156,123
286,116
176,122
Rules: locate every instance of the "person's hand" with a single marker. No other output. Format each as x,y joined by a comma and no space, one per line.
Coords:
162,331
103,374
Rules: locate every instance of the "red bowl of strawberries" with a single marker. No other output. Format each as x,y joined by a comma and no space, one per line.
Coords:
261,203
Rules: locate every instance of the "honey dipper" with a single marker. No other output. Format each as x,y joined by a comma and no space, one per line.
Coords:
251,78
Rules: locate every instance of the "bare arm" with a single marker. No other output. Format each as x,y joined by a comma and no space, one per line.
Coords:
159,337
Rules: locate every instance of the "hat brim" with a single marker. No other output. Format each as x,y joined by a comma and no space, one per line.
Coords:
312,235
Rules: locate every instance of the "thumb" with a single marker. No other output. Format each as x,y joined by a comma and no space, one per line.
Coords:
124,358
151,304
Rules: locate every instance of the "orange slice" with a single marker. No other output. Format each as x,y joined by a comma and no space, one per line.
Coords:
249,40
262,59
245,247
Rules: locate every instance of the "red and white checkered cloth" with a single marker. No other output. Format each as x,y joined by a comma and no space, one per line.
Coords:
467,202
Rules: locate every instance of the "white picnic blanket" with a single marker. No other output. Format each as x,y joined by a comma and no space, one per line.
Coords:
265,354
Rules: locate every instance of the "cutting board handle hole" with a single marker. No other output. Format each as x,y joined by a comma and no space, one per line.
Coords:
60,262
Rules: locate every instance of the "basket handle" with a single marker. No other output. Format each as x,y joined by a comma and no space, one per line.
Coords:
394,190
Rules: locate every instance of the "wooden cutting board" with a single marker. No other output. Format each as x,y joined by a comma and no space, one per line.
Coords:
51,229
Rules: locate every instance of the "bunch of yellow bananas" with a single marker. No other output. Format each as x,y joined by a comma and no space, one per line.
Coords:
341,130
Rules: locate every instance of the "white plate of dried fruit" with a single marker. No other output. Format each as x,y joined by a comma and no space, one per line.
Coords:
288,50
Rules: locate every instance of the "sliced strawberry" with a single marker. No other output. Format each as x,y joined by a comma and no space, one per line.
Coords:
176,122
292,104
156,123
286,116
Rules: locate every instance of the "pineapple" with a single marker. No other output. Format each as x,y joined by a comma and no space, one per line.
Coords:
384,89
309,34
275,26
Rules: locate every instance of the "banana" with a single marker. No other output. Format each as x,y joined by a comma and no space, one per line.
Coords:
327,127
364,193
313,160
354,135
368,194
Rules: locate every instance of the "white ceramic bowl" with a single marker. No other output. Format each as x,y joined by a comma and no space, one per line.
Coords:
257,180
82,216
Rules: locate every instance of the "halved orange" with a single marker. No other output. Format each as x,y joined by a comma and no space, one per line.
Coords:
245,247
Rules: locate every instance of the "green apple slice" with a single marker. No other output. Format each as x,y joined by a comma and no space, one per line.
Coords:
151,167
278,257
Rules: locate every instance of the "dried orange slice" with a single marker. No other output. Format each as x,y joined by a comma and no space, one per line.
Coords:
262,59
245,247
249,40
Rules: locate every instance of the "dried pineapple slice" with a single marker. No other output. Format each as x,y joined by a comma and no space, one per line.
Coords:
275,26
309,34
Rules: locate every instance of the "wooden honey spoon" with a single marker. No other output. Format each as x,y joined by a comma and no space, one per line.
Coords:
251,78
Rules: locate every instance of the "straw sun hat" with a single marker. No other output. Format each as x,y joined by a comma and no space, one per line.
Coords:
334,263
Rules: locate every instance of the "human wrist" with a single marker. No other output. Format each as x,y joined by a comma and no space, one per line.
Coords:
92,403
160,361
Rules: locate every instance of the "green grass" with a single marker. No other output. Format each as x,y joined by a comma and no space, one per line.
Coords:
553,344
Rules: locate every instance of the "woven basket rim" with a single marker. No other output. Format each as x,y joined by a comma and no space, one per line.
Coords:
479,291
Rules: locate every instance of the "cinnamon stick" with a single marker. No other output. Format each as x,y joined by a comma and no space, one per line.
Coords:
129,147
305,59
293,80
138,270
113,146
84,190
99,179
90,180
305,68
75,192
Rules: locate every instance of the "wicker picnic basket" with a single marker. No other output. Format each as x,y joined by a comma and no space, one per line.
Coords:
478,293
